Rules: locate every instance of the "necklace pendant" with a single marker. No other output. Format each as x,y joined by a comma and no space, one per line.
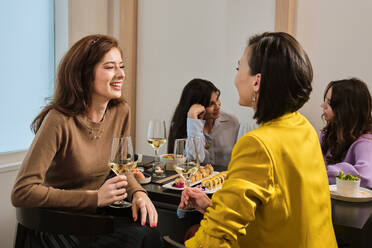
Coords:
206,145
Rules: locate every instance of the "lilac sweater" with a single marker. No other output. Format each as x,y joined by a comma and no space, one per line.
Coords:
358,160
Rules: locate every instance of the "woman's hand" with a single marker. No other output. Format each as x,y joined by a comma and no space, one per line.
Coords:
196,111
197,197
112,190
143,203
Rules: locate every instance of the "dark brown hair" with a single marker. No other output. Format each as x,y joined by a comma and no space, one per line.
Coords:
72,95
197,91
286,74
351,105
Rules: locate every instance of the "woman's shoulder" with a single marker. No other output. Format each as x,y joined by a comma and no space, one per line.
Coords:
365,138
55,116
250,138
54,121
121,108
229,117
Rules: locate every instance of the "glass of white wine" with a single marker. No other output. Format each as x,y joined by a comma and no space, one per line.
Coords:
121,160
186,154
156,137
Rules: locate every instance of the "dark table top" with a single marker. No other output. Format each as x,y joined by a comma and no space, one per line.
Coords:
158,193
346,214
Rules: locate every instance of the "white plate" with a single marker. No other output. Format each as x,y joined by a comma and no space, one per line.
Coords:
211,191
169,185
364,195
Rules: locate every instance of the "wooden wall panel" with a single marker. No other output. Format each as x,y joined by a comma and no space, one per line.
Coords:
128,42
284,16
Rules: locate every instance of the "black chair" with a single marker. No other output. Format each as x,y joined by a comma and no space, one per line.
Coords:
170,243
83,226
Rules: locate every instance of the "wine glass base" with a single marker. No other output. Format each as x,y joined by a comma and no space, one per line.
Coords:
121,204
154,175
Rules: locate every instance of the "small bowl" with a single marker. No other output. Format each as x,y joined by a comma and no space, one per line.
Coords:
145,180
170,161
347,187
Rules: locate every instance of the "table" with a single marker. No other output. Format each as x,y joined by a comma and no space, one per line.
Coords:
352,221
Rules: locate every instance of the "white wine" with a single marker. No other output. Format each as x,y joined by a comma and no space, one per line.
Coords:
186,170
156,143
119,169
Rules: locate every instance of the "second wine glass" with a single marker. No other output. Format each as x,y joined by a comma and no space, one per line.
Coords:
186,155
156,137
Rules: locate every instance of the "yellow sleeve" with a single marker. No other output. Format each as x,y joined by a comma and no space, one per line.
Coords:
249,183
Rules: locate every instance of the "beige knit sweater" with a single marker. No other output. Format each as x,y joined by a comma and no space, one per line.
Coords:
68,161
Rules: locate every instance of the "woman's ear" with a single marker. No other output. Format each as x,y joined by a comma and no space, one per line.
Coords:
257,83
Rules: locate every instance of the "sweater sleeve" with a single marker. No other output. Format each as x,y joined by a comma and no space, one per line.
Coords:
29,189
195,129
362,154
248,185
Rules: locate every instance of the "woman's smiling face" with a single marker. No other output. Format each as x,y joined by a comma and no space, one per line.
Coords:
108,77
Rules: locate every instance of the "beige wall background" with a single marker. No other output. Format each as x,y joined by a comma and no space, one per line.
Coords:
181,40
337,36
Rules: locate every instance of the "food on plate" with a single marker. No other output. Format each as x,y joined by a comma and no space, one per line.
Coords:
168,156
209,167
137,174
158,170
179,183
202,172
349,177
214,182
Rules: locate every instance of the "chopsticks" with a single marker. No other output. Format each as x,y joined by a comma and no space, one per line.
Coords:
167,179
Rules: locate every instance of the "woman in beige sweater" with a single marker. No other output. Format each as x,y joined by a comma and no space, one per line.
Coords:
66,164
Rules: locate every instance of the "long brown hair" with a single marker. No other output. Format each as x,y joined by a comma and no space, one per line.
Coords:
351,105
72,95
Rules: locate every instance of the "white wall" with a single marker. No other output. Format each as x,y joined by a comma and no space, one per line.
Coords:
180,40
337,36
87,17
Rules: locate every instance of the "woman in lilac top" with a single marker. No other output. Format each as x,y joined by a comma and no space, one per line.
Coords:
346,139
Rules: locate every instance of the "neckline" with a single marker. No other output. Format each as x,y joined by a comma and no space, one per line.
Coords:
281,118
93,129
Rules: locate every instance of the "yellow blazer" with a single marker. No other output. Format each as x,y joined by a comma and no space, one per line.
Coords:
276,193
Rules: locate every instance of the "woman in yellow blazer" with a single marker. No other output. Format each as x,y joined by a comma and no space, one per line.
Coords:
276,192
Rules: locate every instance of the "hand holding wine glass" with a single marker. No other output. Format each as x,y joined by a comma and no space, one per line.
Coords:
156,137
121,160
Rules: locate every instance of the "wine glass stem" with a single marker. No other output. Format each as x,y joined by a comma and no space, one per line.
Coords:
187,184
156,159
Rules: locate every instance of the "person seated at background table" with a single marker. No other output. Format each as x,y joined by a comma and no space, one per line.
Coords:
198,114
346,138
276,192
67,162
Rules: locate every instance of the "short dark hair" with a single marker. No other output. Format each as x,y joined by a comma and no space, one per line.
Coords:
197,91
286,74
351,104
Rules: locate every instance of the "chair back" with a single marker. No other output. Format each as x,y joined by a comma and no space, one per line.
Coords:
170,243
83,226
